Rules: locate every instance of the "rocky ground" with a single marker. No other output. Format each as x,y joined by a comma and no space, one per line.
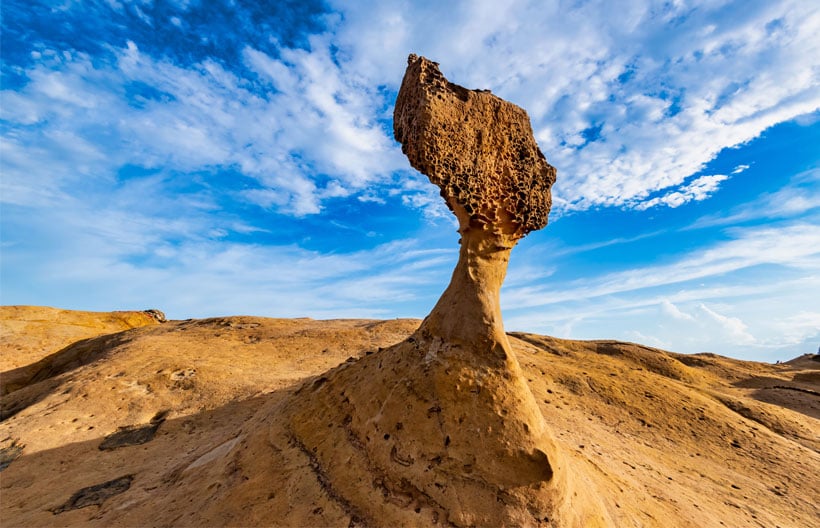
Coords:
118,419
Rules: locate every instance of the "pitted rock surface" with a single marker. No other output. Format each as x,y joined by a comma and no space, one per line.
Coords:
445,419
478,148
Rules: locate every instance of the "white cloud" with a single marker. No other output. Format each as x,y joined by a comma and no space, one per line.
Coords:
794,246
763,324
734,327
417,192
628,101
799,196
697,190
665,86
135,253
202,119
752,297
798,327
673,311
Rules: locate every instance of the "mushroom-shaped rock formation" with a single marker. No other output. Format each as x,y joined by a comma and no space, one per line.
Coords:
442,428
480,150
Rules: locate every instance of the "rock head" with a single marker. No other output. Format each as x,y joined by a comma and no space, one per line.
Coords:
478,148
445,419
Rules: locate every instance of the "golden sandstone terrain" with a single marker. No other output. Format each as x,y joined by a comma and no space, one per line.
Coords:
659,439
125,419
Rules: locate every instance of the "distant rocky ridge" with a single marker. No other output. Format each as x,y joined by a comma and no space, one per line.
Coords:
25,331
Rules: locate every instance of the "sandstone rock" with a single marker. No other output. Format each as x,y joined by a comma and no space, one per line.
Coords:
156,315
478,148
30,334
227,456
445,419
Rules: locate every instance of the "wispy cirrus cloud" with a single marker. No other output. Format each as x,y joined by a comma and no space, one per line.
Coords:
750,319
794,246
733,297
801,195
188,267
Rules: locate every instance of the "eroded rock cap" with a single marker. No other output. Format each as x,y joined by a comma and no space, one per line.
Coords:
478,148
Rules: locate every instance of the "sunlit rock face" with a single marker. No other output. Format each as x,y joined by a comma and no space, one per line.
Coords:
478,148
445,419
480,151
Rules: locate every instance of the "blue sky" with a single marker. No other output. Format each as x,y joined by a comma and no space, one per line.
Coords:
222,158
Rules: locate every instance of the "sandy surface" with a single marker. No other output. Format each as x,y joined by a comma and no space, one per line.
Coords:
181,424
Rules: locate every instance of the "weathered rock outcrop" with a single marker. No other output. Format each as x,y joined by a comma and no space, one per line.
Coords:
445,419
480,150
667,440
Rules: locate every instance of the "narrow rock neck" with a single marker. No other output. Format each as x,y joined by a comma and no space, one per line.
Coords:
469,311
